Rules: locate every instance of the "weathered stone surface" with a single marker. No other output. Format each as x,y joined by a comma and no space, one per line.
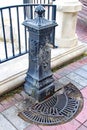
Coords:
84,67
5,124
82,73
77,78
64,80
12,115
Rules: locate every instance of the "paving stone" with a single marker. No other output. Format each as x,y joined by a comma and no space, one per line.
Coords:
77,78
33,127
82,128
66,126
1,108
83,61
48,127
77,85
24,95
5,124
58,85
84,92
85,123
74,123
20,105
63,71
75,65
84,67
81,72
18,97
6,104
56,76
11,100
64,80
12,115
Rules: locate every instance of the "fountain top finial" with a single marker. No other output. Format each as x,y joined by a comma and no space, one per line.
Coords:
40,10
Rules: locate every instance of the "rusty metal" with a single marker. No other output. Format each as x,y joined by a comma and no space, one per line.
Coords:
58,109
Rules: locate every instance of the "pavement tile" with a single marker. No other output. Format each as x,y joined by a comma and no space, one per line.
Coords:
58,85
1,108
56,76
83,61
6,104
32,127
76,65
67,126
24,95
85,123
64,71
64,80
77,78
12,115
82,117
21,105
11,100
18,97
82,128
72,66
81,72
5,124
48,127
84,67
77,85
72,125
84,92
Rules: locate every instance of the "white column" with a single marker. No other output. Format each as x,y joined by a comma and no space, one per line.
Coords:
67,18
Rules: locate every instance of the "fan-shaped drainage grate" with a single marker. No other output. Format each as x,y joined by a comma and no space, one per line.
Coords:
58,109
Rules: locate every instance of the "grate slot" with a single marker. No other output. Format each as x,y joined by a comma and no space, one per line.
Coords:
57,109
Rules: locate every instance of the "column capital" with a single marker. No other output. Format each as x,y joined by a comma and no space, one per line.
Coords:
68,5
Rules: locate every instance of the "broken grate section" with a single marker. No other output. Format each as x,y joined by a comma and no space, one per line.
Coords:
58,109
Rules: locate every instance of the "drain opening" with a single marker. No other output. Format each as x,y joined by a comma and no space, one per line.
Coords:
58,109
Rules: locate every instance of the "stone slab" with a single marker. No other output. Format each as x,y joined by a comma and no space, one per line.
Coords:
64,80
77,78
12,115
82,127
84,67
5,124
81,72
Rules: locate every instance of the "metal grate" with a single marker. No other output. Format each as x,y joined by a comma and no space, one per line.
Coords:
57,109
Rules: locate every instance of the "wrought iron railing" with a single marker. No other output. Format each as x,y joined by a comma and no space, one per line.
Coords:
13,36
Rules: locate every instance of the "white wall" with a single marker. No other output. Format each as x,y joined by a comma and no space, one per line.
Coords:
10,2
